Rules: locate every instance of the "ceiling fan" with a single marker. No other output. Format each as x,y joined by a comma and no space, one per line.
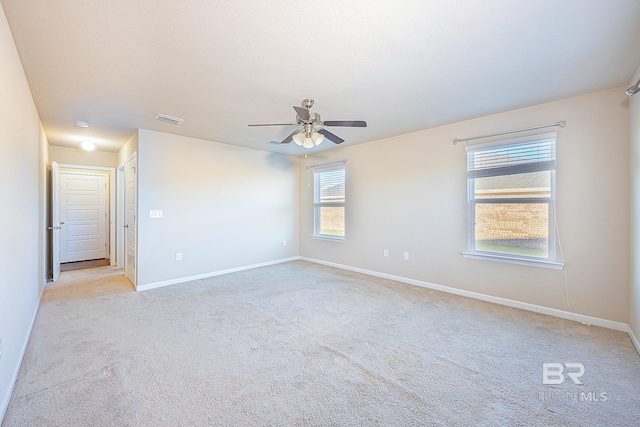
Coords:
311,131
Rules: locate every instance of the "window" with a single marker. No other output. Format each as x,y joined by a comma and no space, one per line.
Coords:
328,202
512,198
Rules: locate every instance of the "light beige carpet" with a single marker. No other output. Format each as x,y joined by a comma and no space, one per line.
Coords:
306,345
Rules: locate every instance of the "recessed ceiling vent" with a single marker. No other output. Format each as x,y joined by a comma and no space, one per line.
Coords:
169,119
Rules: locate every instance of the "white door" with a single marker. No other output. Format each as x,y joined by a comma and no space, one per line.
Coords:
130,224
55,219
83,216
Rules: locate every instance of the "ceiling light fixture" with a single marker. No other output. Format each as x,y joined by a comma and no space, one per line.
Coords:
634,89
82,124
308,138
169,119
88,145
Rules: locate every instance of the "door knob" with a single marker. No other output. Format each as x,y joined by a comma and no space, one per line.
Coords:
126,226
61,222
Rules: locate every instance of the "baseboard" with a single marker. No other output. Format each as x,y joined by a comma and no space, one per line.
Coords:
634,339
155,285
618,326
12,384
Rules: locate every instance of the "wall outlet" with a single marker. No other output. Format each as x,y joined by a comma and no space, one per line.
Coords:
284,243
155,214
179,256
406,256
386,253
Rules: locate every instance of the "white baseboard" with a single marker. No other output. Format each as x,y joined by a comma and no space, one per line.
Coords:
618,326
634,339
212,274
7,397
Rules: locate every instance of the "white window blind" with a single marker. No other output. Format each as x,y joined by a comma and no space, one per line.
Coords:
329,186
527,156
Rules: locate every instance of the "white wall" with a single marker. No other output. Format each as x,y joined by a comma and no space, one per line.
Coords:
78,156
634,291
224,206
408,193
22,242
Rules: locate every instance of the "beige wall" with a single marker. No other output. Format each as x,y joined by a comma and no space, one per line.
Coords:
634,291
22,243
130,147
408,193
224,206
80,157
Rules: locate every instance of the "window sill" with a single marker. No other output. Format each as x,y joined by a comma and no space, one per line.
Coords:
514,260
331,238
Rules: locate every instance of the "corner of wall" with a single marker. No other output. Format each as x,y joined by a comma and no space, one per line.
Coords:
634,148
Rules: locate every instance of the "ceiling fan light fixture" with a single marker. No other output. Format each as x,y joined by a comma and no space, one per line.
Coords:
305,141
317,138
299,138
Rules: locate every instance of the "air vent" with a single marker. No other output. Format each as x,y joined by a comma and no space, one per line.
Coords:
169,119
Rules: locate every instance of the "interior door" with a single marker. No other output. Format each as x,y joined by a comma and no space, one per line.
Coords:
130,225
83,216
55,219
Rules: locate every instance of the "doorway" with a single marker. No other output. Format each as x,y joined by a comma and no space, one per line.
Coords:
83,212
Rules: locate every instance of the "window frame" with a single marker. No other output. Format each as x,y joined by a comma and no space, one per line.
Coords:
551,260
317,206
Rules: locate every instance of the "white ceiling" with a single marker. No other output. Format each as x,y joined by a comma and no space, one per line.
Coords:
401,65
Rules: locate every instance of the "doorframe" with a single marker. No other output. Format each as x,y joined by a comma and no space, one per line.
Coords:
120,183
112,203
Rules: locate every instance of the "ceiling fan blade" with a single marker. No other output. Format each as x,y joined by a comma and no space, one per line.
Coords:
303,113
275,124
289,138
330,136
346,123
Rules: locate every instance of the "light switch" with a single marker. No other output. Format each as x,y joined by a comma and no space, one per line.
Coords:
155,214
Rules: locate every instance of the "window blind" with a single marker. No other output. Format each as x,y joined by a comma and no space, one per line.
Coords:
329,186
514,158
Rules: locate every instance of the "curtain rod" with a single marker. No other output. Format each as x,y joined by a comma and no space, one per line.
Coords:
327,164
561,123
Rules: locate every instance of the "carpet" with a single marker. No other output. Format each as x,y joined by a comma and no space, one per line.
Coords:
307,345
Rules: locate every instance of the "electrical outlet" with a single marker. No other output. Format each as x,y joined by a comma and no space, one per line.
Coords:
284,243
386,253
406,256
179,256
